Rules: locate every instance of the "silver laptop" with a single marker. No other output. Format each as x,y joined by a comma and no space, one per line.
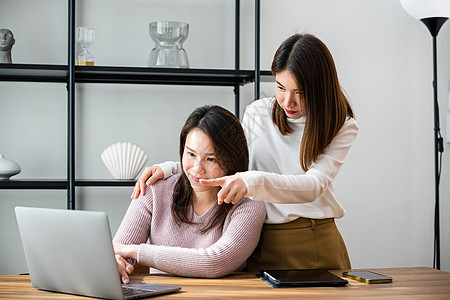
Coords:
70,251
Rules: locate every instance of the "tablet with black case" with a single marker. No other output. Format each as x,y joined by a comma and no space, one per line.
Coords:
301,278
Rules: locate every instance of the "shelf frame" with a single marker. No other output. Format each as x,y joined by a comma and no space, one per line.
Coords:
33,73
71,74
61,184
125,75
52,184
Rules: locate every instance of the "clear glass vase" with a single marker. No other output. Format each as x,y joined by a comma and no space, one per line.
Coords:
168,37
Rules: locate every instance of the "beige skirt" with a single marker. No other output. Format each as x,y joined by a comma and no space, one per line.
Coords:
300,244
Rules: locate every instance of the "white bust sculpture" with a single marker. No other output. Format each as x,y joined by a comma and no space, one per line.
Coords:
6,43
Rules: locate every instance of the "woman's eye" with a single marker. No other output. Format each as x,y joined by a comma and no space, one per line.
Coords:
190,154
211,159
280,88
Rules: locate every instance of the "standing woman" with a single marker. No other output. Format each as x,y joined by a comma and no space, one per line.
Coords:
297,141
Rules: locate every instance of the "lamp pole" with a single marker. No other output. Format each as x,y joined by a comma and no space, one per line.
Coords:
434,24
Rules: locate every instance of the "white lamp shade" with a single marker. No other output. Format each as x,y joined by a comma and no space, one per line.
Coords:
421,9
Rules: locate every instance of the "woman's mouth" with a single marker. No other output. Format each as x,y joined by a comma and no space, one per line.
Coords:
289,112
196,179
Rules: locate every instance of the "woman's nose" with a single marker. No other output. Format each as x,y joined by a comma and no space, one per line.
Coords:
290,101
198,166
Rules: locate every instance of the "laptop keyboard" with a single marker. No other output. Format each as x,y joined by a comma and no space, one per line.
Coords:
127,291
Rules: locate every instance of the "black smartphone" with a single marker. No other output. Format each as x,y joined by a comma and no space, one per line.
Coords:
367,276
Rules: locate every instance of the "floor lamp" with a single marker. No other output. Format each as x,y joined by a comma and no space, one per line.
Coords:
433,13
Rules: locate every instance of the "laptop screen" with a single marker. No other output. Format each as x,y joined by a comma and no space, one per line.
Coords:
70,251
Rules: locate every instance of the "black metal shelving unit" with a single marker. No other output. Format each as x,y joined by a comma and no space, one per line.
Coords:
125,75
50,184
71,74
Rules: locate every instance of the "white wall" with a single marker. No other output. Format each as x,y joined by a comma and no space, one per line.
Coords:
384,61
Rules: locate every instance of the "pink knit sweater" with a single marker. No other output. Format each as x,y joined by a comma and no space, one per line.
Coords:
182,250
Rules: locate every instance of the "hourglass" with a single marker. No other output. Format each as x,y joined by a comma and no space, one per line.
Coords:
86,36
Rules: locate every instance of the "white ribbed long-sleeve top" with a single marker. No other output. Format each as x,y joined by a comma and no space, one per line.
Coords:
276,176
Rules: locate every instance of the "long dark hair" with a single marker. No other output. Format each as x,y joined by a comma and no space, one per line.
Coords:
310,62
230,149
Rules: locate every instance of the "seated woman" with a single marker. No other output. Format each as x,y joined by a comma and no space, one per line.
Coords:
189,234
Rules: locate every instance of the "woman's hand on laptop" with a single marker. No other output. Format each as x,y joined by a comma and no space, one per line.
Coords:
124,268
126,251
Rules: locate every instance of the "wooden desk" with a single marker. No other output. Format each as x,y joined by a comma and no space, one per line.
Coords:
409,283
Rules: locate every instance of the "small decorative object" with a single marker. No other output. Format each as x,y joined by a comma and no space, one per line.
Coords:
8,168
124,160
6,43
168,37
86,37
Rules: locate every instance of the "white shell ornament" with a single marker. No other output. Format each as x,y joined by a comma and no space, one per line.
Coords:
124,160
